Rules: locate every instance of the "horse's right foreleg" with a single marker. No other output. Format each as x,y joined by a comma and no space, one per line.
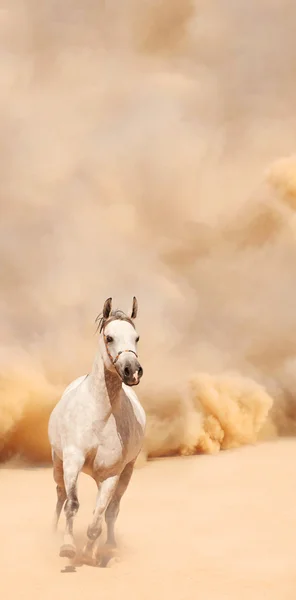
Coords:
73,462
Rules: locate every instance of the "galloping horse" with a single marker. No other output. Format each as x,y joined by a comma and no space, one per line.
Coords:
98,427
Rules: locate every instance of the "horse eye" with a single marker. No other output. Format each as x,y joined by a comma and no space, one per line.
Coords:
109,339
137,339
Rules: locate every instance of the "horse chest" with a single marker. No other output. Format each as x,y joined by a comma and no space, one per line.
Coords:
111,451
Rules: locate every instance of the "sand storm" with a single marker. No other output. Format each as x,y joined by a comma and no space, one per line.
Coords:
197,217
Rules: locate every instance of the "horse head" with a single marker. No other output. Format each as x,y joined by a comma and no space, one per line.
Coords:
118,342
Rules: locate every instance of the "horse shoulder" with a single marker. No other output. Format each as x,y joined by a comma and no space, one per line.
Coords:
69,419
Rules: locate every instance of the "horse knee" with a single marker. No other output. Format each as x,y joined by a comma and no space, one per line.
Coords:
71,506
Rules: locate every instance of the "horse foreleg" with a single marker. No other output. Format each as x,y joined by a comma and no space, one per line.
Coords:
72,465
105,492
113,511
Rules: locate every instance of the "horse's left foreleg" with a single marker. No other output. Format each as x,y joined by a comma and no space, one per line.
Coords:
105,493
113,510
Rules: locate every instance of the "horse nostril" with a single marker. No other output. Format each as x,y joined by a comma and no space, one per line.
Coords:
126,371
140,372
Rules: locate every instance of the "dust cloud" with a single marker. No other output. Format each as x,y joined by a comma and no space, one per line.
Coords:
148,148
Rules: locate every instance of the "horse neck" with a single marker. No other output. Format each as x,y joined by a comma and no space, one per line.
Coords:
105,385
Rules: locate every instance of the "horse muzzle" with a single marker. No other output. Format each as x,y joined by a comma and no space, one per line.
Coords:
130,371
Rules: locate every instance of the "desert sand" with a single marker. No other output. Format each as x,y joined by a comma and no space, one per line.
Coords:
207,527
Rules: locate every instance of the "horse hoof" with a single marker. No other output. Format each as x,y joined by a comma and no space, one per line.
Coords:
91,561
90,555
67,551
108,552
105,561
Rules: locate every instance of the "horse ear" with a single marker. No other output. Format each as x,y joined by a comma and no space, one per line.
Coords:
135,308
107,308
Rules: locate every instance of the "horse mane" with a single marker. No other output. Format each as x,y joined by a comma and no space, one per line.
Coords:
115,315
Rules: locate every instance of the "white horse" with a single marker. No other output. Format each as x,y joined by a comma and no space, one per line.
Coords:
98,427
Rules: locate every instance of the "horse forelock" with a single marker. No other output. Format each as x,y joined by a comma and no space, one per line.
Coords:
116,315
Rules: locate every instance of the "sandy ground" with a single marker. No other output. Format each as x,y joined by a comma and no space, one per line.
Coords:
211,528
